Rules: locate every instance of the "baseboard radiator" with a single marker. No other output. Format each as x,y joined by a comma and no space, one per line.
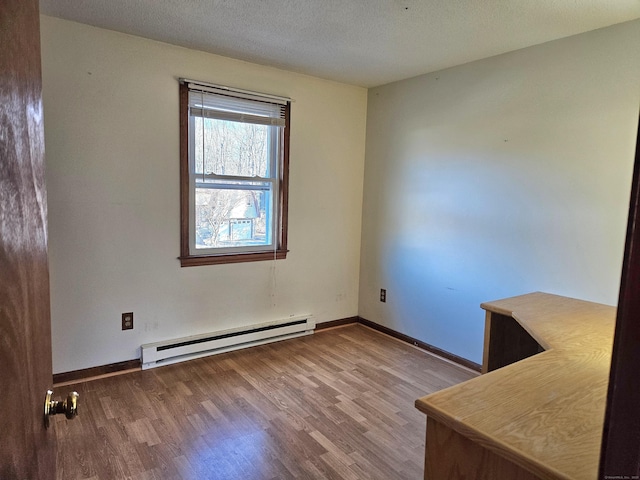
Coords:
188,348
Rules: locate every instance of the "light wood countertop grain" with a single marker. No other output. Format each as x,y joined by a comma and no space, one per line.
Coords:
546,412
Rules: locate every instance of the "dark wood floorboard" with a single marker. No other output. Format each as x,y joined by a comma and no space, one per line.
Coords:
334,405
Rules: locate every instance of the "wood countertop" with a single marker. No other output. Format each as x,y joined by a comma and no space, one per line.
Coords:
544,413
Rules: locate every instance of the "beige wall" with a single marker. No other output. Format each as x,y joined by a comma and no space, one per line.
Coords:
111,126
491,179
496,178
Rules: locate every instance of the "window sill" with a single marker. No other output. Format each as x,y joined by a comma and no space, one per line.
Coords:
199,260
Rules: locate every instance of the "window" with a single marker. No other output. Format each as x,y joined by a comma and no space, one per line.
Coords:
234,149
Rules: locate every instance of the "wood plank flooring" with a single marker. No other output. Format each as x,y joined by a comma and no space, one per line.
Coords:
338,404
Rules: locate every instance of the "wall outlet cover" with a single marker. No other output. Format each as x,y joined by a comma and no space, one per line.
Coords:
127,321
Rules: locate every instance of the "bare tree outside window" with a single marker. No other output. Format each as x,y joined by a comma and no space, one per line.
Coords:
224,216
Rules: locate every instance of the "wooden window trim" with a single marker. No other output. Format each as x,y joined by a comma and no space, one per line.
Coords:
280,253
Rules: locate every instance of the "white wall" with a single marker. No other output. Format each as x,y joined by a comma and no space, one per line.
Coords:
496,178
111,126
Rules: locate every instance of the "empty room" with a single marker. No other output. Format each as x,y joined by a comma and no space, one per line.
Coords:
346,240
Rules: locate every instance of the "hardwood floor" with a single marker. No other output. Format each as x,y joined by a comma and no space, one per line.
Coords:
338,404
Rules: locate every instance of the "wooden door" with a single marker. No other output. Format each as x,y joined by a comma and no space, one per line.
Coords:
620,456
27,450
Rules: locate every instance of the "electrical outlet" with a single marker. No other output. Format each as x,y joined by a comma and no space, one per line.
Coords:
383,295
127,321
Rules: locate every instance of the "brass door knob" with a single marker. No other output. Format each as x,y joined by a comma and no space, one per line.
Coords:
68,406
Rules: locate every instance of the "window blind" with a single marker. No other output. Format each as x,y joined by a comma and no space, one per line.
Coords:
236,106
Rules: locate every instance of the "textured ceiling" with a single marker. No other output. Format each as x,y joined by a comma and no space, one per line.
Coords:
361,42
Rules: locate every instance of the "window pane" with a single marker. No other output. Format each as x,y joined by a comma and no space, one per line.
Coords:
231,148
232,218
